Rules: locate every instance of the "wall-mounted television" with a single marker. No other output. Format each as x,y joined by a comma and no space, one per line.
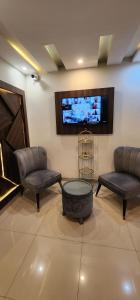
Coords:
91,109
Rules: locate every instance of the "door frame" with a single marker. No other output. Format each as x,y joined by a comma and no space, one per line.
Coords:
6,86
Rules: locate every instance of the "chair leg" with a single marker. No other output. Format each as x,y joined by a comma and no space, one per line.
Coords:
98,188
124,208
22,190
60,183
38,202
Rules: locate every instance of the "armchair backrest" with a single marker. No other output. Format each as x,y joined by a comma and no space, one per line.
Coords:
127,160
30,160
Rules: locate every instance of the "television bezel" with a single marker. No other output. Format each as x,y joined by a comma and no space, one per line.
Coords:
98,128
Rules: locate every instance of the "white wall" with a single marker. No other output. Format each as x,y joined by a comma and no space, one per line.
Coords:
11,75
62,150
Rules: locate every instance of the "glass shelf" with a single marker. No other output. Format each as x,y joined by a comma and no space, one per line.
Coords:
86,156
86,171
85,141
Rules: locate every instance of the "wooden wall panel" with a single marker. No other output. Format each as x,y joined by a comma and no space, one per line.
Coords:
13,128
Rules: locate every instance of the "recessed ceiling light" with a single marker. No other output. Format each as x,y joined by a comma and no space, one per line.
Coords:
24,68
80,61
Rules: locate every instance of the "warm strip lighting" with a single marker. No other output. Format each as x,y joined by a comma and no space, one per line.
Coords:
10,181
5,91
15,185
8,193
2,165
23,53
1,159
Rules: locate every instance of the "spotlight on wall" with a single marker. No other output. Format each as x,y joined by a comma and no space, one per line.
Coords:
35,77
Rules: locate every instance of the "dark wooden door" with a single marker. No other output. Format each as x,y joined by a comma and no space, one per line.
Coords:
12,131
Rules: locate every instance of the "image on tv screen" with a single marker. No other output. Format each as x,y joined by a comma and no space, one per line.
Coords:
81,110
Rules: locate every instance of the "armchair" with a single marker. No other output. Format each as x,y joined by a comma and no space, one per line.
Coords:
125,181
33,171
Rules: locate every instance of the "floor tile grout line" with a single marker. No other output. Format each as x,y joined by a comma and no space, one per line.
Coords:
82,245
107,246
34,237
20,266
1,221
84,242
4,297
59,238
10,205
69,240
78,287
137,255
130,235
73,241
43,217
20,232
29,233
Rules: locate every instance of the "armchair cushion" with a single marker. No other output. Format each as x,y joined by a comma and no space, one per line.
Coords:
38,180
121,183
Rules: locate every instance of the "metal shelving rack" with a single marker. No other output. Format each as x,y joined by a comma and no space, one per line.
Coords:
86,155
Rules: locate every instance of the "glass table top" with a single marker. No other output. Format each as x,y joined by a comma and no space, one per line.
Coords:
77,187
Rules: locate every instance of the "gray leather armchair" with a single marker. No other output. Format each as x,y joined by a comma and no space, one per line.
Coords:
33,171
125,181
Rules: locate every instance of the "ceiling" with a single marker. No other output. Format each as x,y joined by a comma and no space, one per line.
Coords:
74,27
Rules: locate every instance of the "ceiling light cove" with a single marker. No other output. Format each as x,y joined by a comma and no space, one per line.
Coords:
19,48
25,55
80,61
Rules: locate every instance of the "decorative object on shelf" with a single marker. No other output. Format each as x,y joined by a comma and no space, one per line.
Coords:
86,155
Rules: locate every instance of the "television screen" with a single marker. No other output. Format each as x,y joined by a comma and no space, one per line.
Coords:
87,110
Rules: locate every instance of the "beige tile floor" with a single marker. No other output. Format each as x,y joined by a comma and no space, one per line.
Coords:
45,256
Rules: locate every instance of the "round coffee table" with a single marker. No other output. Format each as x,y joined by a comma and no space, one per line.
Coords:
77,199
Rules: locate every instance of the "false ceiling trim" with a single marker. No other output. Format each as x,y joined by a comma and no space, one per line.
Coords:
137,56
105,44
55,56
